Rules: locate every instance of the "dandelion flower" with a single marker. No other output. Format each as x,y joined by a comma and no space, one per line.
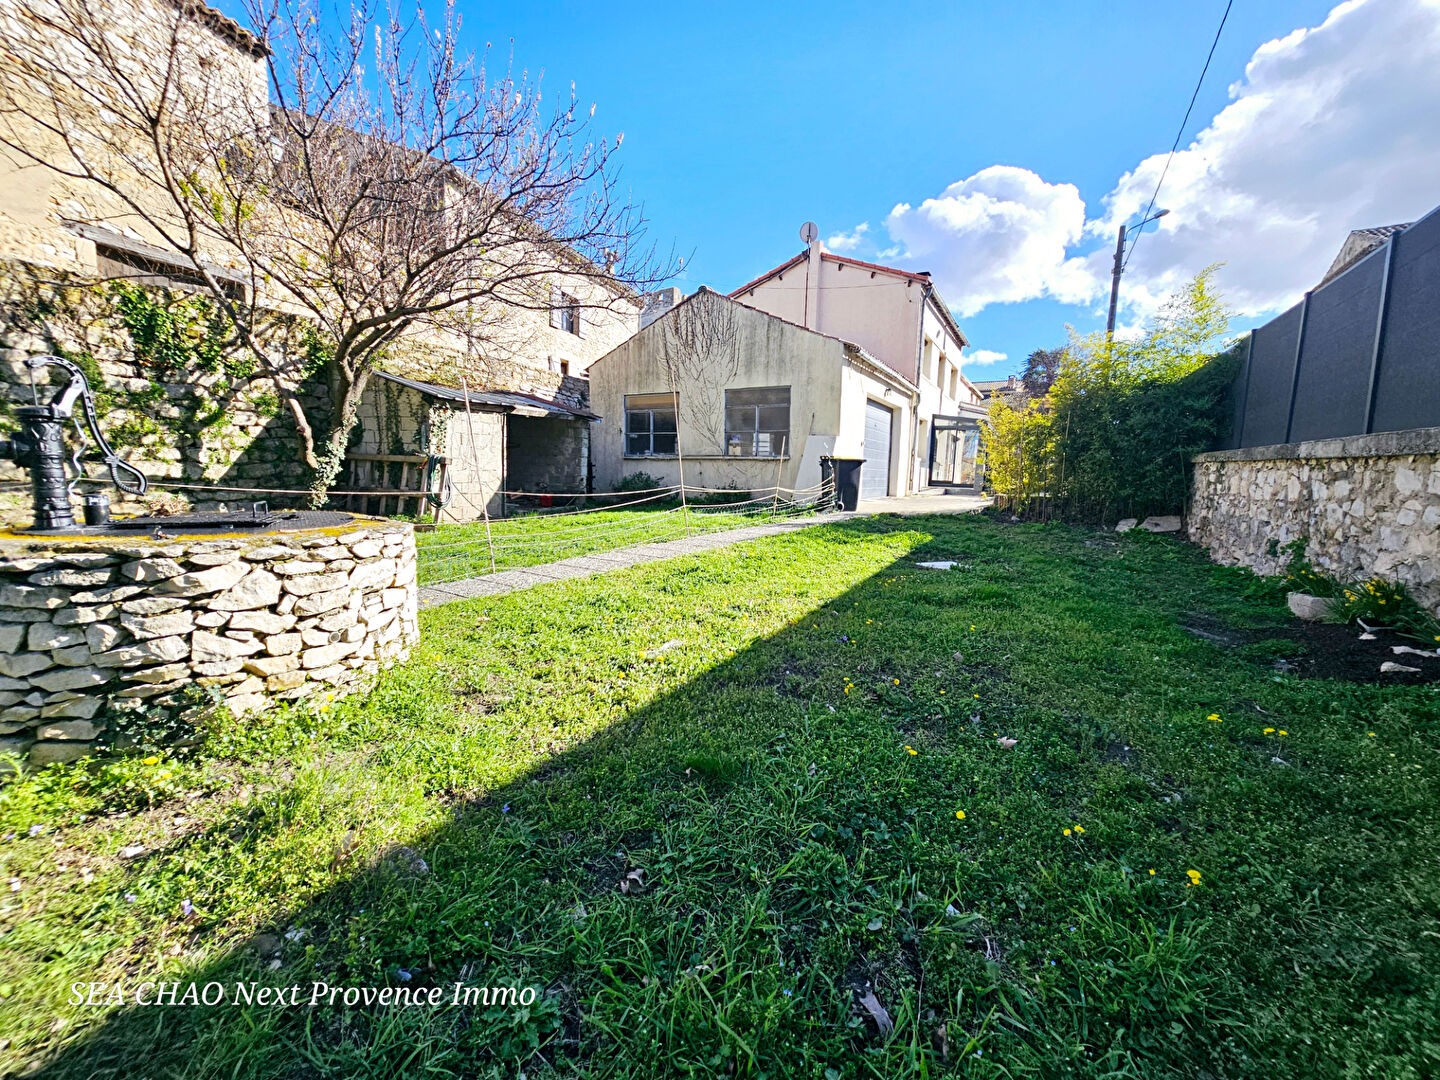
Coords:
960,815
1269,731
973,628
911,751
152,760
942,691
1370,734
895,682
1080,830
1194,876
1282,731
1152,871
1215,716
1065,832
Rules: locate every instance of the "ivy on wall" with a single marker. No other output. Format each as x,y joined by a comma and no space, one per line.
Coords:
171,382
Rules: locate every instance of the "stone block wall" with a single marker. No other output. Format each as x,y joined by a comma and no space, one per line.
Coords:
1366,505
187,429
95,628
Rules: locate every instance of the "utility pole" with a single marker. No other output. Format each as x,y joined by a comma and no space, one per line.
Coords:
1115,282
1120,269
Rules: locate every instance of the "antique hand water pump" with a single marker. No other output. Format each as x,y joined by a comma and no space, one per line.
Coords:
39,446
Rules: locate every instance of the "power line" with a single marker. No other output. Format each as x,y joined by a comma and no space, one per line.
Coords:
1181,133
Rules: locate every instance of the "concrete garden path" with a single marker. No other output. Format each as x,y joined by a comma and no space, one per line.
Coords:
583,566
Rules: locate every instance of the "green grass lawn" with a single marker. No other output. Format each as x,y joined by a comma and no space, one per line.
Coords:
782,736
452,552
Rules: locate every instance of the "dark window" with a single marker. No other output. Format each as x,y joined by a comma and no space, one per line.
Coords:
567,314
650,425
757,422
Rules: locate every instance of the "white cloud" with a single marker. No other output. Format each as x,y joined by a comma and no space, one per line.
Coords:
996,237
1331,129
985,356
843,242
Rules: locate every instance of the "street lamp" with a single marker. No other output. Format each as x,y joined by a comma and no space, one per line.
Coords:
1120,268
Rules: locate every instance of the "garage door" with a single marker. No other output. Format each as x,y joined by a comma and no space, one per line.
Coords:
875,476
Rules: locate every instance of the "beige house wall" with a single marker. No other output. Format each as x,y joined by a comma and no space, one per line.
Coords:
829,384
897,319
483,347
222,80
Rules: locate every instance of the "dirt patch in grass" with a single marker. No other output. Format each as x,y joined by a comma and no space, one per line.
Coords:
1208,628
1321,651
1330,651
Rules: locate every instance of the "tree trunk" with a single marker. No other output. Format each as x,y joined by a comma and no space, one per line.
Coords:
331,452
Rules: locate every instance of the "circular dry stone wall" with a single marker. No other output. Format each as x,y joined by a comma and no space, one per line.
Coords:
101,634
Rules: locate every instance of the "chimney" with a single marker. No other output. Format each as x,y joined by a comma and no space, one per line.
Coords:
657,303
812,284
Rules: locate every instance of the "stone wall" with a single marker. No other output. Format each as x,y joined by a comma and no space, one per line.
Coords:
544,454
185,427
1366,505
100,636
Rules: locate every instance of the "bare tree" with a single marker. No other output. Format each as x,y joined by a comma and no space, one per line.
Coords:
699,348
352,166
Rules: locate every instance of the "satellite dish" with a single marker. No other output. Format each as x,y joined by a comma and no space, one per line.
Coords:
809,231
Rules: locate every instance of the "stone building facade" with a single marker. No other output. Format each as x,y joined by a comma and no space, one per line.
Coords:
209,420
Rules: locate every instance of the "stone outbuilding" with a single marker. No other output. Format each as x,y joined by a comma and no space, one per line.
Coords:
480,449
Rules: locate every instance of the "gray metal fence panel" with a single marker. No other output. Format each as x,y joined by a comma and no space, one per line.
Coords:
1360,354
1272,372
1331,392
1407,391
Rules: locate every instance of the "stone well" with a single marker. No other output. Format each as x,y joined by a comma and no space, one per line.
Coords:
95,627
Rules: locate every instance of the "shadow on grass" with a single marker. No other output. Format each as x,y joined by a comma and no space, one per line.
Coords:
711,884
522,885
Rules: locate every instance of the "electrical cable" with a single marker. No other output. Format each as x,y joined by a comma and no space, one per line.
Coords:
1179,134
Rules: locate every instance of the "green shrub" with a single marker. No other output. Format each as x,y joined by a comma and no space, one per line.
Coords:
1115,435
639,481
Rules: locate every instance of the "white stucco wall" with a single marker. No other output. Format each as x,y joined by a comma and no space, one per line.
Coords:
896,319
828,389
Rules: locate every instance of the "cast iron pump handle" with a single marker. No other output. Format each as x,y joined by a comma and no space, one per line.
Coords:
39,445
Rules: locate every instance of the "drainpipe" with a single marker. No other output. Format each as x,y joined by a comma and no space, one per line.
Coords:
919,375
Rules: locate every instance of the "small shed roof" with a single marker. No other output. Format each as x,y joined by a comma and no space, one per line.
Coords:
501,400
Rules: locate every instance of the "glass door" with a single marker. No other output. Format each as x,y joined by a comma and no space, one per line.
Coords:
956,459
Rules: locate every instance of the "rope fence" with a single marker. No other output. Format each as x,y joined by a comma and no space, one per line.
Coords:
453,552
600,522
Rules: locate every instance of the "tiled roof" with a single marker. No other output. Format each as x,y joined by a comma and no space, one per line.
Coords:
223,25
1358,244
921,277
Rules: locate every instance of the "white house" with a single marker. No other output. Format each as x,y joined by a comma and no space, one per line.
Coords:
898,317
737,398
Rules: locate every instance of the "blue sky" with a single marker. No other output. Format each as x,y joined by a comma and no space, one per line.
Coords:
742,121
